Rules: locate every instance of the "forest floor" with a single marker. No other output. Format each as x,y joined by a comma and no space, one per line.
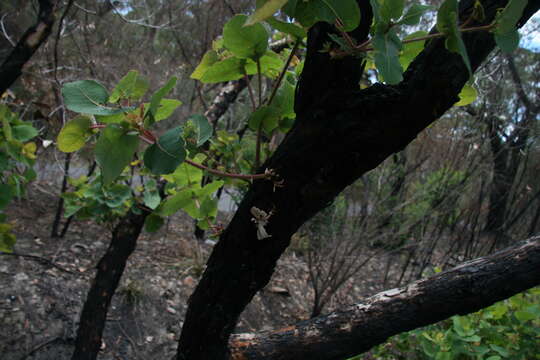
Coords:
43,286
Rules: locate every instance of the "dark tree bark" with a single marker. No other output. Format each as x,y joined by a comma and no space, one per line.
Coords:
32,39
109,271
465,289
340,133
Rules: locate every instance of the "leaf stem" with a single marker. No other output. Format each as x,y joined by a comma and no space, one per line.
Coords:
227,174
150,138
283,72
259,80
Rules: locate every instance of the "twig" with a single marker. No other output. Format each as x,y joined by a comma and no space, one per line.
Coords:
41,260
251,96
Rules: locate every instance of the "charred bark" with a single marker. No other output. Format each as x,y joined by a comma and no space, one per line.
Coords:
340,133
109,271
339,335
31,40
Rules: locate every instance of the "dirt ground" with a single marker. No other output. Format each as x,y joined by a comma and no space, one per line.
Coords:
43,288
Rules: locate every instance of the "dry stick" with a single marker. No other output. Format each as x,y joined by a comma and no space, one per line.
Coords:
40,260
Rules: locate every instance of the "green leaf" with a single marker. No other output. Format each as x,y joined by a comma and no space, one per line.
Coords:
411,49
210,188
387,47
265,11
308,13
114,151
186,175
499,349
392,9
523,315
508,18
467,95
24,132
153,223
284,100
208,208
210,58
224,70
116,194
290,8
508,42
6,194
169,152
155,101
202,127
271,65
245,41
413,14
166,108
6,127
4,161
151,196
287,28
74,134
267,115
174,203
132,86
87,97
447,24
111,119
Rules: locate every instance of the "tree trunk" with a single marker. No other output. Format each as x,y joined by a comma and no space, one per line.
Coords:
31,40
340,133
109,271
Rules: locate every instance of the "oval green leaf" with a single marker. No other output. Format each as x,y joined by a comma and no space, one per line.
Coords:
114,151
164,156
245,41
74,134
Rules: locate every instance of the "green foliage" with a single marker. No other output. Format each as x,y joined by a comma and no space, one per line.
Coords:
411,49
506,330
90,198
114,150
447,17
202,128
467,95
74,134
131,87
88,97
167,153
506,34
310,12
17,156
152,114
245,42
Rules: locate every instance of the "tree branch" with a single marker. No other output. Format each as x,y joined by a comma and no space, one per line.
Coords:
340,133
467,288
32,39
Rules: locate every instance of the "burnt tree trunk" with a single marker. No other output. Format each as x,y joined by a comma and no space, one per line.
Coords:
109,271
31,40
340,133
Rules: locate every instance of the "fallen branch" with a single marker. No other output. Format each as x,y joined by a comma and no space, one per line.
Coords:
464,289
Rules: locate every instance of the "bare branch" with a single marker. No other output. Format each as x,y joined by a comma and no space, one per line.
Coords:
464,289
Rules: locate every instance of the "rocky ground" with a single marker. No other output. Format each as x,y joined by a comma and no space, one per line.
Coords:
43,287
